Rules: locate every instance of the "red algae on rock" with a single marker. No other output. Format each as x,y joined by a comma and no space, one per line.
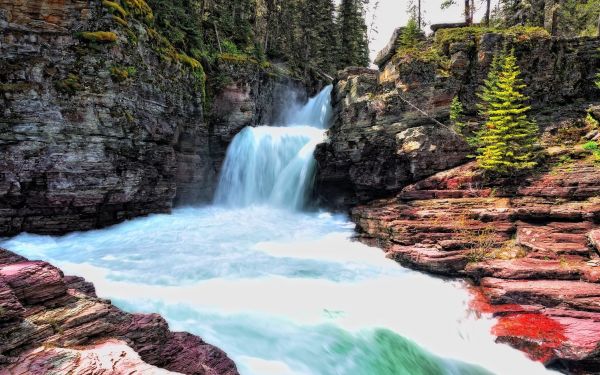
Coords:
534,333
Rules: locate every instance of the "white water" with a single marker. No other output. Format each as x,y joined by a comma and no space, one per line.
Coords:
274,164
282,291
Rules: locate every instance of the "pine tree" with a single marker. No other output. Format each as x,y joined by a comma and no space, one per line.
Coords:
354,46
507,144
410,35
456,115
490,84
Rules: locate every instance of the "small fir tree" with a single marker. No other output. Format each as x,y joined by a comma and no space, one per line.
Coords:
456,115
410,35
507,143
490,84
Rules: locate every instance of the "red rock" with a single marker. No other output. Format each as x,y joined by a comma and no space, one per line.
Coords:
525,268
549,293
551,240
594,237
68,330
429,259
34,282
106,358
10,307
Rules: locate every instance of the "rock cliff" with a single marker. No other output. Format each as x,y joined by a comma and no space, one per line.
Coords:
51,323
388,129
102,119
531,248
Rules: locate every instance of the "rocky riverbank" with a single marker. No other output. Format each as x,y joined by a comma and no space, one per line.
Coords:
532,251
51,323
529,245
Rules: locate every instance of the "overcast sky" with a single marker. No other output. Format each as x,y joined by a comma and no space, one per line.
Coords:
392,13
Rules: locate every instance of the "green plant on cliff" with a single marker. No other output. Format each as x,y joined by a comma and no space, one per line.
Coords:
456,115
410,35
508,141
597,81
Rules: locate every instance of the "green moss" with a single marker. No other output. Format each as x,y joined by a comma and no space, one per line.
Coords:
190,61
99,36
120,21
591,121
162,46
140,8
238,58
115,7
70,85
120,74
471,34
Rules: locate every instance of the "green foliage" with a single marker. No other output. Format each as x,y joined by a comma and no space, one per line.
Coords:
490,84
410,35
354,48
591,146
98,36
507,143
472,34
456,115
578,18
120,74
597,81
594,148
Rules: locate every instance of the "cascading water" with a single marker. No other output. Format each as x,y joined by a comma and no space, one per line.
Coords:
275,165
283,292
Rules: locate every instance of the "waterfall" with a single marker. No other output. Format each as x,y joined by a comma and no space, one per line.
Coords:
274,165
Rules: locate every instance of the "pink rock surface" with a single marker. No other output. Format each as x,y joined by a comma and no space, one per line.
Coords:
51,323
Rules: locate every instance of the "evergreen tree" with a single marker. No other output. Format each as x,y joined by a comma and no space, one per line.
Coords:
410,35
490,84
508,141
456,115
354,46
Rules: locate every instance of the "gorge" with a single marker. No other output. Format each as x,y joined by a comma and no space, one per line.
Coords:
207,187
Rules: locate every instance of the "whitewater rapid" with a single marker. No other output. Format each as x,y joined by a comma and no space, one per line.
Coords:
281,290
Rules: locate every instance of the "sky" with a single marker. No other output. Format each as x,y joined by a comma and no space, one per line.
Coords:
392,14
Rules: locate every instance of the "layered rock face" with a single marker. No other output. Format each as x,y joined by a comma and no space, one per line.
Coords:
388,129
100,127
51,323
532,249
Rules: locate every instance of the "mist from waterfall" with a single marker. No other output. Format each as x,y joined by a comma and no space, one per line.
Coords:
274,165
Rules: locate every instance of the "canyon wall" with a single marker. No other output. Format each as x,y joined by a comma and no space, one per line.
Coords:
102,120
390,125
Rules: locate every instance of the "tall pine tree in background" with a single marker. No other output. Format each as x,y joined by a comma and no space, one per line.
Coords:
507,144
352,28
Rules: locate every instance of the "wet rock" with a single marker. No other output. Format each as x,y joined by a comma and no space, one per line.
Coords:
526,246
54,322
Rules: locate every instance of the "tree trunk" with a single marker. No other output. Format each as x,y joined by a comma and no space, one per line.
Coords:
488,6
468,17
420,24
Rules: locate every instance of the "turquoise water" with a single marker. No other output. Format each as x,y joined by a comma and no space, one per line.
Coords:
283,292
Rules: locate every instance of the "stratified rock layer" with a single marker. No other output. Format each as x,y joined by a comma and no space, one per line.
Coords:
531,249
96,132
53,323
391,127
